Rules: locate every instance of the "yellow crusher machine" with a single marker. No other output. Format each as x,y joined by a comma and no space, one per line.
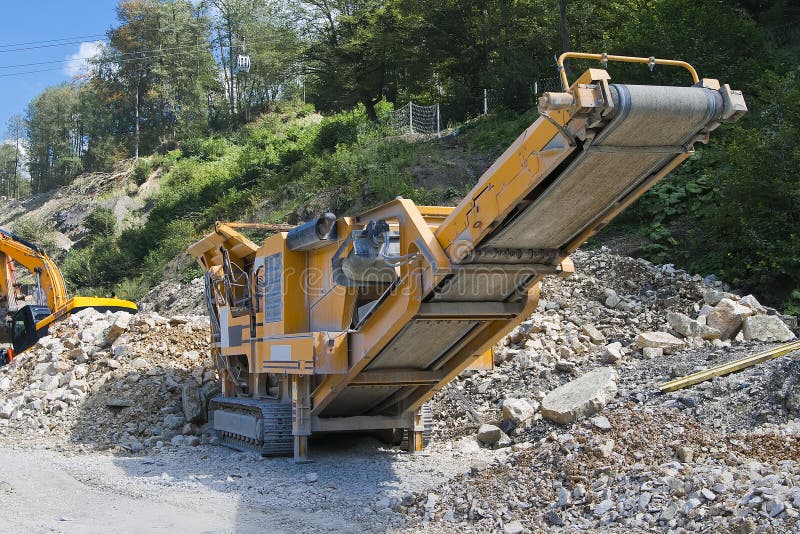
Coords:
355,323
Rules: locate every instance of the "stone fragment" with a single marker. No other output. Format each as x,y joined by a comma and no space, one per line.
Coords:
584,396
595,336
766,328
514,527
727,317
613,352
140,363
518,410
712,297
660,340
652,352
310,478
691,328
685,454
193,403
489,434
751,302
603,507
601,422
120,325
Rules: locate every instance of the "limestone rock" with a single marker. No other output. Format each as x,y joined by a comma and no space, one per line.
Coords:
518,410
727,317
595,336
659,340
193,404
751,302
766,328
489,434
688,327
581,397
118,327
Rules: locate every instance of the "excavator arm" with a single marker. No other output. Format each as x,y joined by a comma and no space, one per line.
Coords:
51,290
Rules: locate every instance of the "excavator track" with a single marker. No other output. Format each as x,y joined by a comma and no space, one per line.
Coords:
251,425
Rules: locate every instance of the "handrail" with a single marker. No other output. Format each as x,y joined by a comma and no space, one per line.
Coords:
652,61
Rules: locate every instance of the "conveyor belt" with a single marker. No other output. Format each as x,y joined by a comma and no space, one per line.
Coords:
651,126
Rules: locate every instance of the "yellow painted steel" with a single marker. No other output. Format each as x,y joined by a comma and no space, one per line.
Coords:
373,353
730,367
622,59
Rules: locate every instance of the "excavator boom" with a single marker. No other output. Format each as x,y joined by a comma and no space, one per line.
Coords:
355,323
24,323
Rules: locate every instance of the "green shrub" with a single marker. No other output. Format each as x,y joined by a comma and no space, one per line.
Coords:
37,231
142,170
205,148
340,129
100,223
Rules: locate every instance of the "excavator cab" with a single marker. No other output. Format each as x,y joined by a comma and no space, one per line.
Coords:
23,327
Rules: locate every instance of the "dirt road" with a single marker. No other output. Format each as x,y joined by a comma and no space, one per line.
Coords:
210,489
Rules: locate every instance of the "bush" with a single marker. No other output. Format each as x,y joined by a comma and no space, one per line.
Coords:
340,129
37,231
142,170
205,148
100,223
100,265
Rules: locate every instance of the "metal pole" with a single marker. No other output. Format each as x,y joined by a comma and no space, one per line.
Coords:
536,88
411,116
485,101
438,122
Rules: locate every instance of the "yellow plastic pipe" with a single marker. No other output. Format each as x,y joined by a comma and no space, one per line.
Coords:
622,59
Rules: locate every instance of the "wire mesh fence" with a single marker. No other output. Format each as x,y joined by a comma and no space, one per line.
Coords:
416,119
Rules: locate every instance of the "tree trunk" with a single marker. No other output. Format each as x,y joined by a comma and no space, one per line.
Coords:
562,13
369,107
137,131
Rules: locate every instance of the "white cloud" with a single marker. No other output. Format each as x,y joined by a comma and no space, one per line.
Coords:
77,63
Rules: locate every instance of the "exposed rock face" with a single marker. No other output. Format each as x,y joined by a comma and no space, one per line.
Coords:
766,328
581,397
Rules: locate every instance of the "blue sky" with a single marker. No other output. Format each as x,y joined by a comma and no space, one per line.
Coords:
40,20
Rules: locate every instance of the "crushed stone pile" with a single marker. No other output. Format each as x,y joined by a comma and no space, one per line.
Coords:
612,451
172,297
112,380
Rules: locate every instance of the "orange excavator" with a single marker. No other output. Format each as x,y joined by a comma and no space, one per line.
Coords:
27,311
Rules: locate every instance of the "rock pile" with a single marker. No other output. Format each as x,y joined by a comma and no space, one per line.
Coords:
112,379
693,459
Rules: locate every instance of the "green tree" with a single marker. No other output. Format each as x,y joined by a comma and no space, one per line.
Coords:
54,138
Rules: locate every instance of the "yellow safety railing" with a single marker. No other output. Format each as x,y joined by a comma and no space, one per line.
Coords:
652,61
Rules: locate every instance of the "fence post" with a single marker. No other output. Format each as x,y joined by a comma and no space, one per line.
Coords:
438,122
411,116
536,88
485,101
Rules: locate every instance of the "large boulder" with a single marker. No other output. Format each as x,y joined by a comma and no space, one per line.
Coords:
766,328
727,317
120,325
659,340
688,327
194,406
582,397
